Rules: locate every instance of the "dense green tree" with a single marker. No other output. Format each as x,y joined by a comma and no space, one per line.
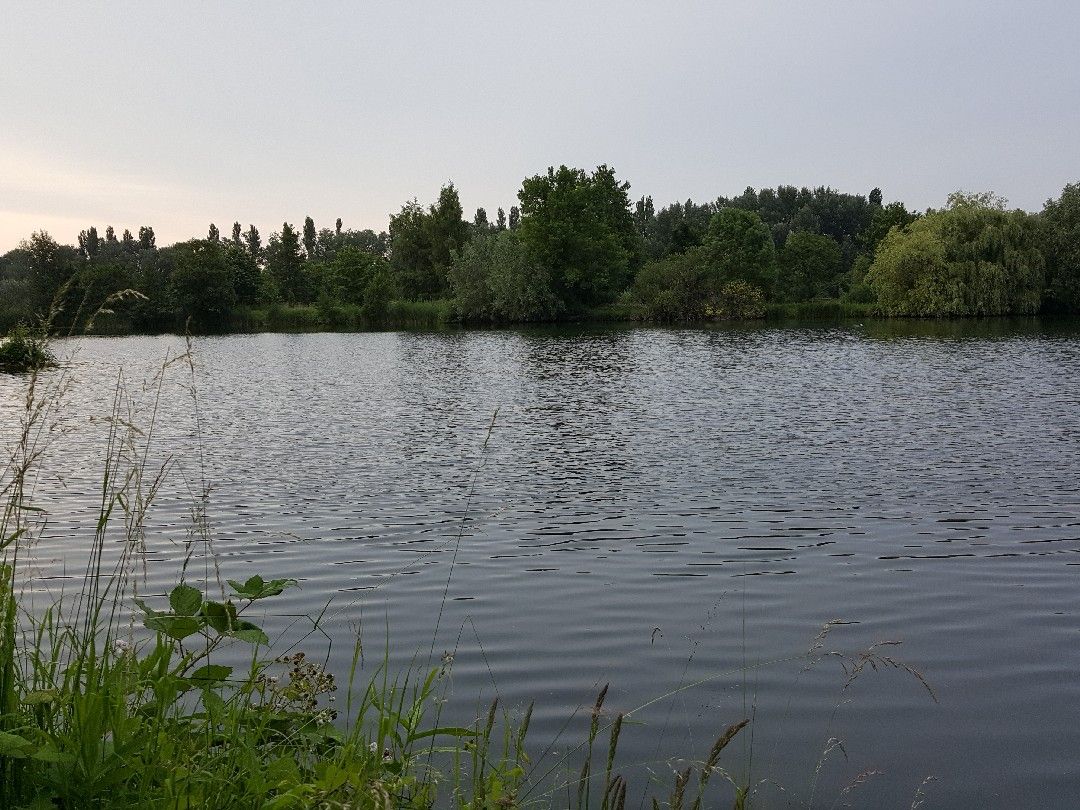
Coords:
127,241
99,291
676,228
644,214
893,215
579,226
201,283
739,247
449,232
378,294
480,220
52,266
411,252
423,242
811,266
285,266
243,272
254,243
237,235
310,239
147,241
16,290
1061,228
367,240
213,235
89,243
685,287
678,287
500,220
973,258
337,227
494,278
350,274
515,217
110,235
158,310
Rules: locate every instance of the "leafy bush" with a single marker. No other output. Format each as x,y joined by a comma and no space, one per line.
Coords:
494,279
739,301
974,258
23,351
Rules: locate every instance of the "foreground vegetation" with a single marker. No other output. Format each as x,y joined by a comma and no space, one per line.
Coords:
575,247
24,351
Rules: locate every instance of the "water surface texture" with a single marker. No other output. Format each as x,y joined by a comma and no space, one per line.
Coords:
673,511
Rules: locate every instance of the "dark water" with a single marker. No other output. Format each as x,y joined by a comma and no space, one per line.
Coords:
673,511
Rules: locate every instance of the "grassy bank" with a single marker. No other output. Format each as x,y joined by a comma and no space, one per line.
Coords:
823,310
333,315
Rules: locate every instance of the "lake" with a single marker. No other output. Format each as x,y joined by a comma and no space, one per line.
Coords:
675,511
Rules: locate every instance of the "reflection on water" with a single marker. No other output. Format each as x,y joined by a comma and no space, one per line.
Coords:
654,508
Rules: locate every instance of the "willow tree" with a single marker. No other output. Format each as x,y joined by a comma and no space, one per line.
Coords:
972,258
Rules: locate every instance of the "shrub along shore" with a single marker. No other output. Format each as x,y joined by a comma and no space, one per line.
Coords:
575,247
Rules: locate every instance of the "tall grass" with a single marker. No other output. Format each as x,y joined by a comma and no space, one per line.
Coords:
826,310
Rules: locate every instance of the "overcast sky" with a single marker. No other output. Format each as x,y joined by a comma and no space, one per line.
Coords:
181,115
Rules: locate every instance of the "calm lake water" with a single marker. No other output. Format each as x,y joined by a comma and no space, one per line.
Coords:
677,512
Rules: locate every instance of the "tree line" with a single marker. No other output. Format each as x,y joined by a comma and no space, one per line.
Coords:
575,246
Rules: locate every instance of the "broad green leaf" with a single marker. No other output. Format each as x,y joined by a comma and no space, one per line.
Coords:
215,706
258,588
177,627
50,754
275,586
246,631
221,617
12,745
331,777
209,674
185,600
40,697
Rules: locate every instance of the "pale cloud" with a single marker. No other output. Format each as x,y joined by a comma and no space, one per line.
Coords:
15,226
56,195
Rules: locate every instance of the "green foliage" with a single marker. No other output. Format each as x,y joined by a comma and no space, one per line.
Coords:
739,300
418,313
739,247
351,273
285,266
820,310
810,267
578,248
23,350
579,227
243,270
422,244
687,287
1061,228
893,215
494,279
52,266
15,289
202,282
973,258
678,288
